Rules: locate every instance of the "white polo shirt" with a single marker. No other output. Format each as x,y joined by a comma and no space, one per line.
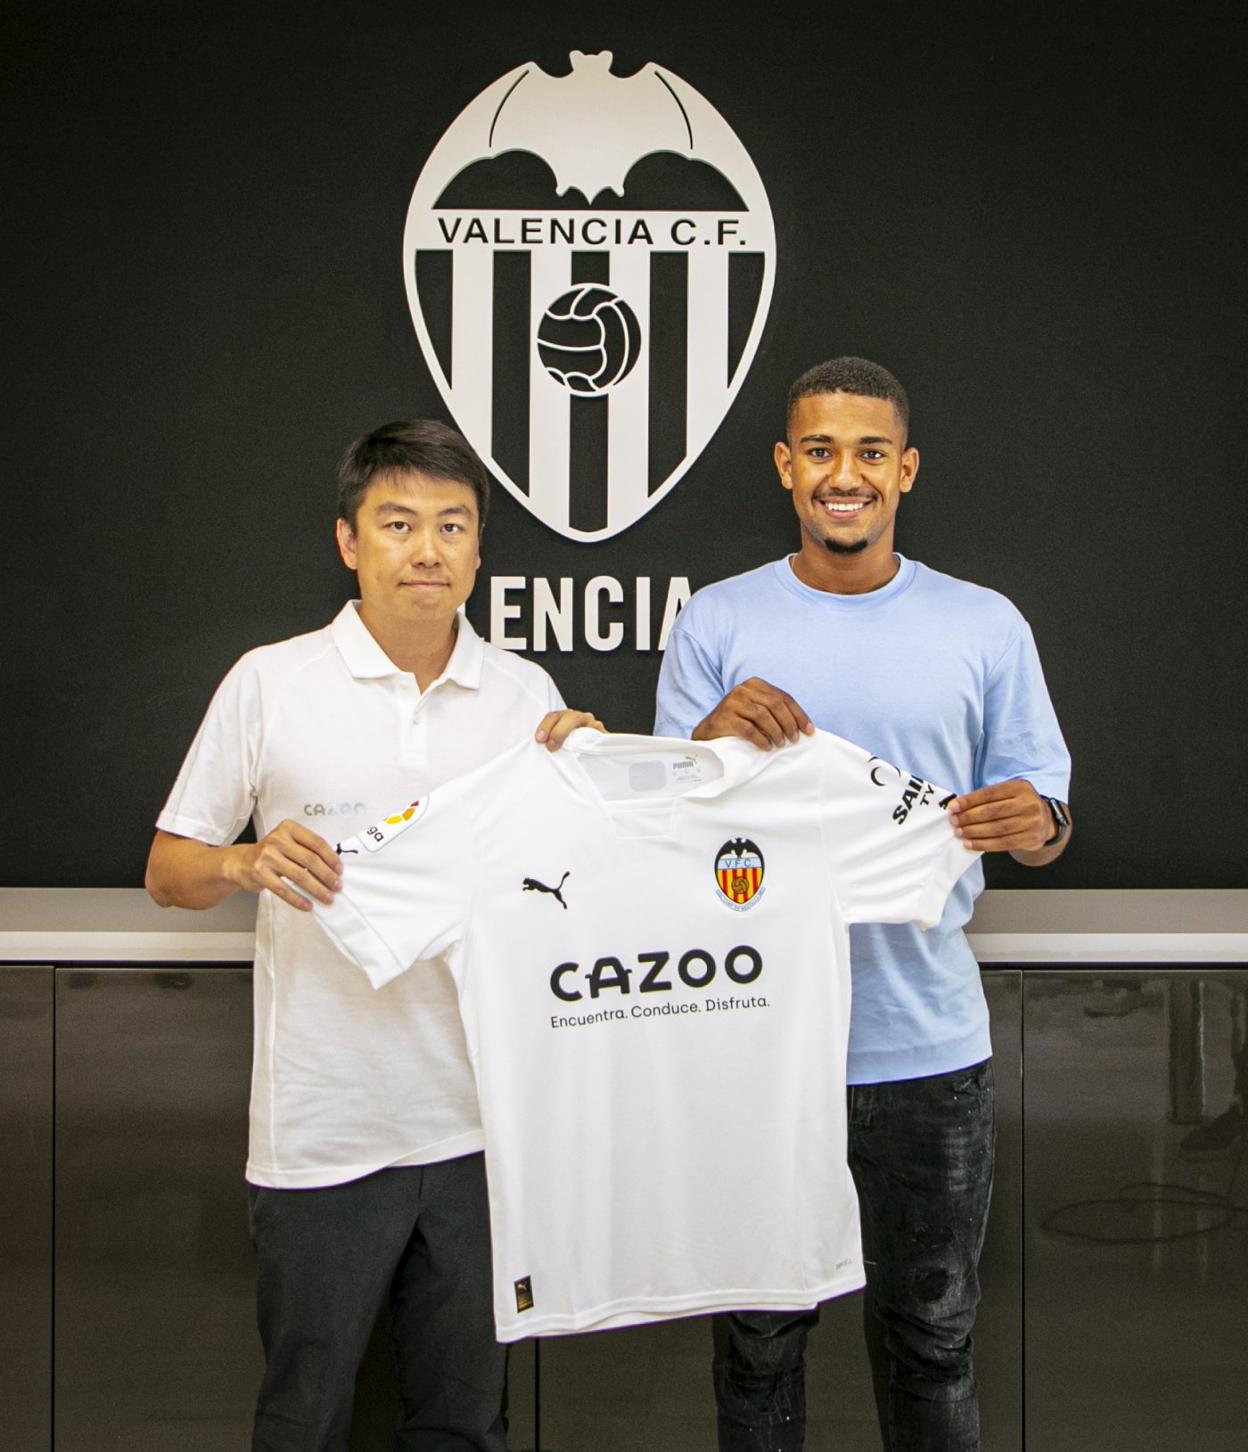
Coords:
326,730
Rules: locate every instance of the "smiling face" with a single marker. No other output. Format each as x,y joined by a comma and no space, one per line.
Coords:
847,465
414,547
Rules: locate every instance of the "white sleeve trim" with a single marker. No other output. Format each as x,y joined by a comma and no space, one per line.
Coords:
932,896
192,827
347,926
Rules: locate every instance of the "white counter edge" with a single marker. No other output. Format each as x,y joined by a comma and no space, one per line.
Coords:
123,925
990,948
121,948
1040,948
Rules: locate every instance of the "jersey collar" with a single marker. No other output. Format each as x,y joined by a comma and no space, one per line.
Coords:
738,759
366,660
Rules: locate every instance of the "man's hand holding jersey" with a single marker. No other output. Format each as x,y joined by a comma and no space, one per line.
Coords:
289,856
1009,816
556,726
758,712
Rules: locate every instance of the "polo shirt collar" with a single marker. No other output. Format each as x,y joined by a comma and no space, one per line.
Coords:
366,660
464,666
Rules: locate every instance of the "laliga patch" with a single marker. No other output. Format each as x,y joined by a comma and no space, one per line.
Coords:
739,873
524,1293
374,838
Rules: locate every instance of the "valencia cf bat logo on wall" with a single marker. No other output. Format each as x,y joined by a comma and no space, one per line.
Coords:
589,261
739,873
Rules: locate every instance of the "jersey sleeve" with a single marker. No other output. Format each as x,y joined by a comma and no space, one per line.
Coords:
892,852
215,791
405,889
1021,737
691,681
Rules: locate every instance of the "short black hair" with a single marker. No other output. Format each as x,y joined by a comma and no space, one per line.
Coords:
851,375
410,446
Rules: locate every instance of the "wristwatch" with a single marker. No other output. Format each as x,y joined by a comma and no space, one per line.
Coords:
1061,821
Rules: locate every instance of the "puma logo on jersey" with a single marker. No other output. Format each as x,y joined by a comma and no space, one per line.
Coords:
531,884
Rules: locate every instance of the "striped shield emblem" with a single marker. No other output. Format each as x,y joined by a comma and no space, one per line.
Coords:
739,872
589,261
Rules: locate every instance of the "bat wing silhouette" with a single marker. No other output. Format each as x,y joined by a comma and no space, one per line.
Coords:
591,126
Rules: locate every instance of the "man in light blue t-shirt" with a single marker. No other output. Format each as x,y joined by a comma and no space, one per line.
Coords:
941,678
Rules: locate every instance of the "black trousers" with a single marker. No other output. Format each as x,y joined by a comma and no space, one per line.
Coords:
329,1258
921,1153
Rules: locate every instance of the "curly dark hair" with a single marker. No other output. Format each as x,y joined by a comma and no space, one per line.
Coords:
851,375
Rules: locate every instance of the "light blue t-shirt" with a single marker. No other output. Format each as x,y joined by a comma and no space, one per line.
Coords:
935,675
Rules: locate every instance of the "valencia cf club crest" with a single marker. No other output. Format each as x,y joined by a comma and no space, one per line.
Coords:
739,873
589,261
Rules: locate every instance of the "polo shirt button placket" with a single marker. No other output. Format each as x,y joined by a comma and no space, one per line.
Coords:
414,726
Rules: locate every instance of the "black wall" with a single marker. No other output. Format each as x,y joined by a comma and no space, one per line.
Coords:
1035,218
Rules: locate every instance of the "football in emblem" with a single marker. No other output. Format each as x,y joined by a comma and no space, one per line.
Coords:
739,873
589,339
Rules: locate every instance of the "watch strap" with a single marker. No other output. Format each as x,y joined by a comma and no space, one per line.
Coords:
1061,821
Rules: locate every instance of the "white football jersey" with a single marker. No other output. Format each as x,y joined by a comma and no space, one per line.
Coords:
650,943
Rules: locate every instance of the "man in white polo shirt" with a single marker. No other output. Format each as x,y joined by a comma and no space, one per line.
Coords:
364,1165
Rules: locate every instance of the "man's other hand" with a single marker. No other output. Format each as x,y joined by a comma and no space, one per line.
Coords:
555,727
1009,816
289,854
758,712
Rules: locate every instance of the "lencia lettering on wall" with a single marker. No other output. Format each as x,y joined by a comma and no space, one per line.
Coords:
589,261
606,614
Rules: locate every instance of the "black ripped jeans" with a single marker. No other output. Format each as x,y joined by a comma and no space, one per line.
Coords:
921,1155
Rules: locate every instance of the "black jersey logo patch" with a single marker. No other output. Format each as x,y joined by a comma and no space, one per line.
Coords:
524,1293
531,884
739,873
